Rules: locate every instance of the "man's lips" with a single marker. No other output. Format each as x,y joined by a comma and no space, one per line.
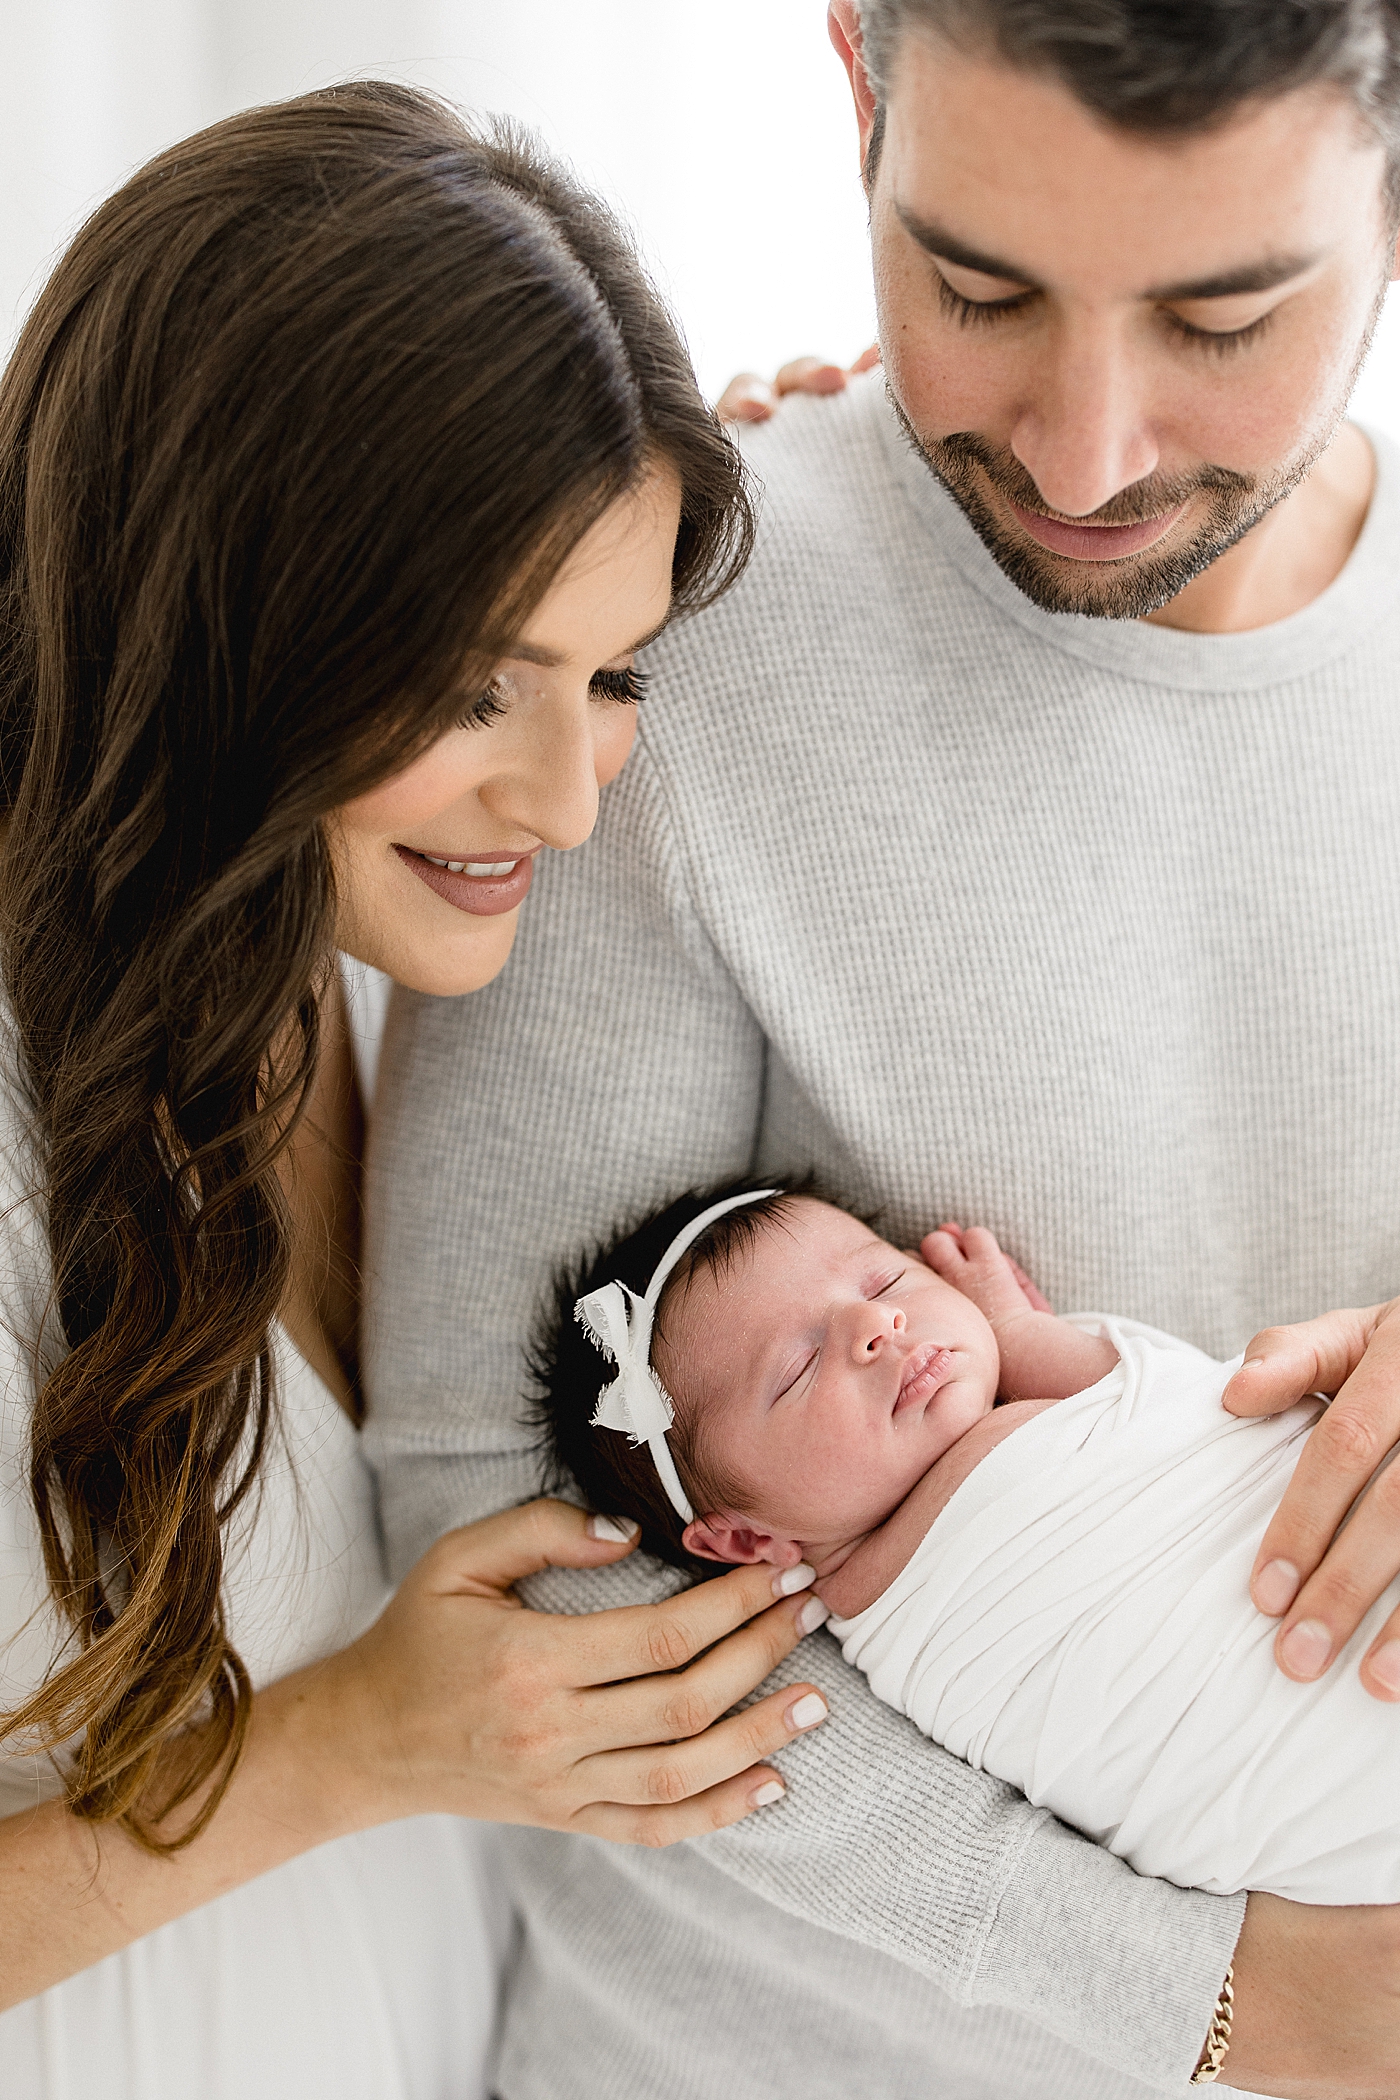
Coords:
925,1371
487,896
1083,541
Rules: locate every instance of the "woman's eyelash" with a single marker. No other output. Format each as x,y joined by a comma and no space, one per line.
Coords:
627,687
490,705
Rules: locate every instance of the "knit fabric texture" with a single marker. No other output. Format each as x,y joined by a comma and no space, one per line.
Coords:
1083,930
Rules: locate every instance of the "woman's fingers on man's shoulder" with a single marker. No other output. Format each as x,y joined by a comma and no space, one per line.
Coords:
749,398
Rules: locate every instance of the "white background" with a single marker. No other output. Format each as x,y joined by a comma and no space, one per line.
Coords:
723,127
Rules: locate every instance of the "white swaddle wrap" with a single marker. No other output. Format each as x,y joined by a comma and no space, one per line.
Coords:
1077,1621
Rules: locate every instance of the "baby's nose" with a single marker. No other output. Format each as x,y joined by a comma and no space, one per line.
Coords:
876,1331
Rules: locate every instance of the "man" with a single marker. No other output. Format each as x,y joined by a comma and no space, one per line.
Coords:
1020,842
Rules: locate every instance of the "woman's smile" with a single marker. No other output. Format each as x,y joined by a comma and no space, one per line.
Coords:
486,887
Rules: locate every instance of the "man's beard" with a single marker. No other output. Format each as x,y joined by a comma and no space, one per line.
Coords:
1137,584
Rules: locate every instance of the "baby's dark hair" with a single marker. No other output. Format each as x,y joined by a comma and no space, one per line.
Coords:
568,1371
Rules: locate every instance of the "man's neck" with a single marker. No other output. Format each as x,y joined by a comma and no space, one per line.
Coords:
1291,556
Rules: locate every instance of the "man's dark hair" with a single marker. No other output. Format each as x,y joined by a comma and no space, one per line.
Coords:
1166,65
568,1372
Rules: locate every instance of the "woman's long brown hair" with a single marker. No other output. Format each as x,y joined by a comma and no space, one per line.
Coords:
298,432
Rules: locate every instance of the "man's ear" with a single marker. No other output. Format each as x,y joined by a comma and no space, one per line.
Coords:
717,1537
843,27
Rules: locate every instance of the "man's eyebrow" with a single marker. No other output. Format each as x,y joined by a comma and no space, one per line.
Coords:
1262,276
937,240
550,659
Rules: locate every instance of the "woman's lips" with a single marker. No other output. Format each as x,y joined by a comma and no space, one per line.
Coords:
1085,542
923,1374
485,895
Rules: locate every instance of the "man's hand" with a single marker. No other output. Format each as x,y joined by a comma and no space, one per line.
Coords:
750,399
1322,1585
1317,2002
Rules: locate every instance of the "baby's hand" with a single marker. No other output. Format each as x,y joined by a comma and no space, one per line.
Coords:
1042,1358
974,1263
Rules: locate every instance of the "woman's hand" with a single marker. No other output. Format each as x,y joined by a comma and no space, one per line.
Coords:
1320,1584
460,1700
750,399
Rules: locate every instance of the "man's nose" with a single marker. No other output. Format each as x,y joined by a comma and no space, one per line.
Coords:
1083,433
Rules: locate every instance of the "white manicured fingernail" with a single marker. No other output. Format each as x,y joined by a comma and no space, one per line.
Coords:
772,1790
1385,1667
1275,1587
812,1615
615,1531
794,1579
807,1712
1307,1649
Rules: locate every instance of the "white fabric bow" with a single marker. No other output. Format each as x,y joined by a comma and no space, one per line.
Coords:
619,1323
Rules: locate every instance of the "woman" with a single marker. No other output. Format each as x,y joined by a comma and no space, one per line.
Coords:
344,464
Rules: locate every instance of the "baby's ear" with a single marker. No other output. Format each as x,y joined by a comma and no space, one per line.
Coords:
717,1537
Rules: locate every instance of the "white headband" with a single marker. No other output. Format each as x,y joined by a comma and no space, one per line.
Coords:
619,1323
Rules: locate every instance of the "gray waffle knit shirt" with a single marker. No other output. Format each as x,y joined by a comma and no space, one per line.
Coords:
1083,930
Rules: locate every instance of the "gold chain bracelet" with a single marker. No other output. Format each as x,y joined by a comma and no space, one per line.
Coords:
1218,2040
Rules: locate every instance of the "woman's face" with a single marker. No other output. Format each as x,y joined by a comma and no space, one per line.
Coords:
433,866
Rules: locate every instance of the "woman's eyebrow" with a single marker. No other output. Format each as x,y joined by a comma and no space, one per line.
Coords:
550,659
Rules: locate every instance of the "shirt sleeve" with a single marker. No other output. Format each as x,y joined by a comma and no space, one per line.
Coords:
613,1063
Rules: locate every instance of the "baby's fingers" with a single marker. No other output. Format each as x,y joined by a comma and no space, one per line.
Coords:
943,1251
1035,1296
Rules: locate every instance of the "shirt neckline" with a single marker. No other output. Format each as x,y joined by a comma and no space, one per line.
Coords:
1334,622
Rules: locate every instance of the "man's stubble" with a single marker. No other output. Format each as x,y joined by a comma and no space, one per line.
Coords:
1137,585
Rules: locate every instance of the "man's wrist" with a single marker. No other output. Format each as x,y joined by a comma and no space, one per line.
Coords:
1217,2042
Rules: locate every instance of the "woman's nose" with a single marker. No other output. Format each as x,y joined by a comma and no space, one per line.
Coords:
550,784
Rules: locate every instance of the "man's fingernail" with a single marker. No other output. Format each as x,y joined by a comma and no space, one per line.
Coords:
1275,1587
771,1790
812,1615
791,1580
807,1712
1251,1363
1306,1648
1385,1667
615,1531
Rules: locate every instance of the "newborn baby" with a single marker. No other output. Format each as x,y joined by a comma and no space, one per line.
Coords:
1054,1587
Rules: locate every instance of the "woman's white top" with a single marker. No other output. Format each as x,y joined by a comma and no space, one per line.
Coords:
365,1970
1077,1621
